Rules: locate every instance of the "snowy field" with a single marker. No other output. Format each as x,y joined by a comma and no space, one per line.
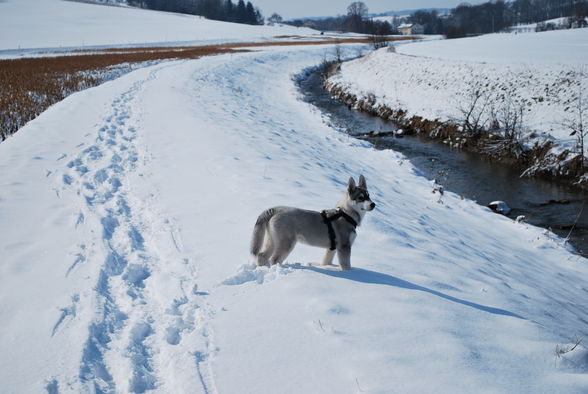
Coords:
542,73
532,27
126,212
59,23
561,47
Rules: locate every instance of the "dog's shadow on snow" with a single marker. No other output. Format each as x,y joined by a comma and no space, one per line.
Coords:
377,278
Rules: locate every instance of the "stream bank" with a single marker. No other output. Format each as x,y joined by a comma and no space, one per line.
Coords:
533,157
516,112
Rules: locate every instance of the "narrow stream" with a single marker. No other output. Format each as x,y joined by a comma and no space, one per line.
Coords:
546,204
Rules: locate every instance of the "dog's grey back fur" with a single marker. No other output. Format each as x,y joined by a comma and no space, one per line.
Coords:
297,224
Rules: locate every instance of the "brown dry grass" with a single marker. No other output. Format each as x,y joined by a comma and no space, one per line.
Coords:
29,86
323,41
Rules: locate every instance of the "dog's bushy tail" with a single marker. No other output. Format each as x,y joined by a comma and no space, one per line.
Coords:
259,230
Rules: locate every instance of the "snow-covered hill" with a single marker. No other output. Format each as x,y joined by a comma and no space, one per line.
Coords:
565,47
60,23
126,212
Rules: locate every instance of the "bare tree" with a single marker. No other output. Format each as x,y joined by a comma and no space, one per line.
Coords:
275,18
474,110
510,119
576,123
357,8
378,34
338,52
356,12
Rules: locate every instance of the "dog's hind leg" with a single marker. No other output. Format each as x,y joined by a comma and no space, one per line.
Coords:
282,250
263,257
328,259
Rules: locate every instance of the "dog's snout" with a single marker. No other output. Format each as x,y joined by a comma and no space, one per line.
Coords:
372,205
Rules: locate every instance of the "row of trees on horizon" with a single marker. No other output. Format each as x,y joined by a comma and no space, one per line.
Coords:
221,10
356,20
464,20
496,16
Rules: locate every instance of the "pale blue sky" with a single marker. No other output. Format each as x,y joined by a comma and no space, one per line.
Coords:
304,8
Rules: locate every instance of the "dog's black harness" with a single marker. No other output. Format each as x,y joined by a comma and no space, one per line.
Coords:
330,217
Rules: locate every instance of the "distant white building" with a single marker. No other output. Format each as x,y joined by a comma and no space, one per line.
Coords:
408,29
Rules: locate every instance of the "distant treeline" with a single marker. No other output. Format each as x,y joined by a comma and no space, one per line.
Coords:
464,20
221,10
355,21
347,24
496,16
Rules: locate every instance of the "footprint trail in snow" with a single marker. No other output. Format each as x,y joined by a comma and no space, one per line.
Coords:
145,299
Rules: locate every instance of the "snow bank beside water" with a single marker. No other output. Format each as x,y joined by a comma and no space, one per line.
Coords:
441,88
435,79
438,80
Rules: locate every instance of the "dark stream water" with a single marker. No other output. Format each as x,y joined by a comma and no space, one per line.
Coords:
546,204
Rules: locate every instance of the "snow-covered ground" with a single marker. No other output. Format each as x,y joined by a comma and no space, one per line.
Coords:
562,47
125,217
59,23
541,73
532,27
558,23
126,212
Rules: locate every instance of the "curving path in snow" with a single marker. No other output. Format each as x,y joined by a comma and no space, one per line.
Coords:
126,212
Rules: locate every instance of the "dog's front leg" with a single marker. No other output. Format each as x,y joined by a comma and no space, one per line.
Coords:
328,259
344,255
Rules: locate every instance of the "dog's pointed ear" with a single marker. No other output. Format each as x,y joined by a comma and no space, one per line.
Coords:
362,182
351,185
